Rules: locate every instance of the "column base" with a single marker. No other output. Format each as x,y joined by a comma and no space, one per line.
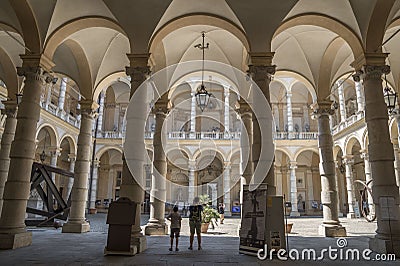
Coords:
294,214
15,240
153,229
133,251
140,242
78,228
351,215
332,230
383,246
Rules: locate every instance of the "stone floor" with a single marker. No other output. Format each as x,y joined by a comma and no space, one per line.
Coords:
220,246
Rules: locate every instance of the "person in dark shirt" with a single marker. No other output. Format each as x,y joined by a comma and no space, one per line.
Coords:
175,219
221,211
195,222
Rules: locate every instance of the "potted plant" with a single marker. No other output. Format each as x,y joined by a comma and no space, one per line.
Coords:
209,214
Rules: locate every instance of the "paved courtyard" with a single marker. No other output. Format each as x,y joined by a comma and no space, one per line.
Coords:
220,246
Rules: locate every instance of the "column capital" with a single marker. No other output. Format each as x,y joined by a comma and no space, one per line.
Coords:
357,76
375,72
322,108
138,69
244,108
348,159
10,109
261,72
71,157
96,163
88,107
227,165
364,154
160,107
138,73
35,73
293,165
55,151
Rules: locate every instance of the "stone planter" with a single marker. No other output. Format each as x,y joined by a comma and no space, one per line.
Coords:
289,227
204,227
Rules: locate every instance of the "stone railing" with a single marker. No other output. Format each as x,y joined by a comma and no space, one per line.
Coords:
349,121
198,135
295,135
53,109
110,135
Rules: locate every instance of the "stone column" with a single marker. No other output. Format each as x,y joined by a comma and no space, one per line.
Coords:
368,178
77,222
13,232
101,113
130,187
351,197
306,117
61,98
279,180
226,111
10,111
193,115
246,139
227,188
93,193
337,188
262,71
331,226
360,97
48,97
397,163
71,159
156,224
380,149
289,112
293,189
54,153
192,185
342,102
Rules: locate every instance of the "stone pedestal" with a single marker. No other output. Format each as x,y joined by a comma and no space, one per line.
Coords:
155,229
16,240
332,230
82,227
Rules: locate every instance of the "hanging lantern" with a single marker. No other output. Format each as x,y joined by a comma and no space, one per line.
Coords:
389,96
202,95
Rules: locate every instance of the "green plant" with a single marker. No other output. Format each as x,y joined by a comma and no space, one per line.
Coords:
209,213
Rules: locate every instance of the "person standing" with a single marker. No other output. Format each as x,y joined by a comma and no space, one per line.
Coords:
175,219
221,211
195,222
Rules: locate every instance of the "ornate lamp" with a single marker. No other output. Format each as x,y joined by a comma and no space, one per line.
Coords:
389,96
43,155
202,95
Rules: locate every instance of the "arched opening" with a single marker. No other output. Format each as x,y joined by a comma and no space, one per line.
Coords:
109,179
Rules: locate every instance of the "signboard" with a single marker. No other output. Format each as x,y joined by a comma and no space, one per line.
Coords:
252,232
